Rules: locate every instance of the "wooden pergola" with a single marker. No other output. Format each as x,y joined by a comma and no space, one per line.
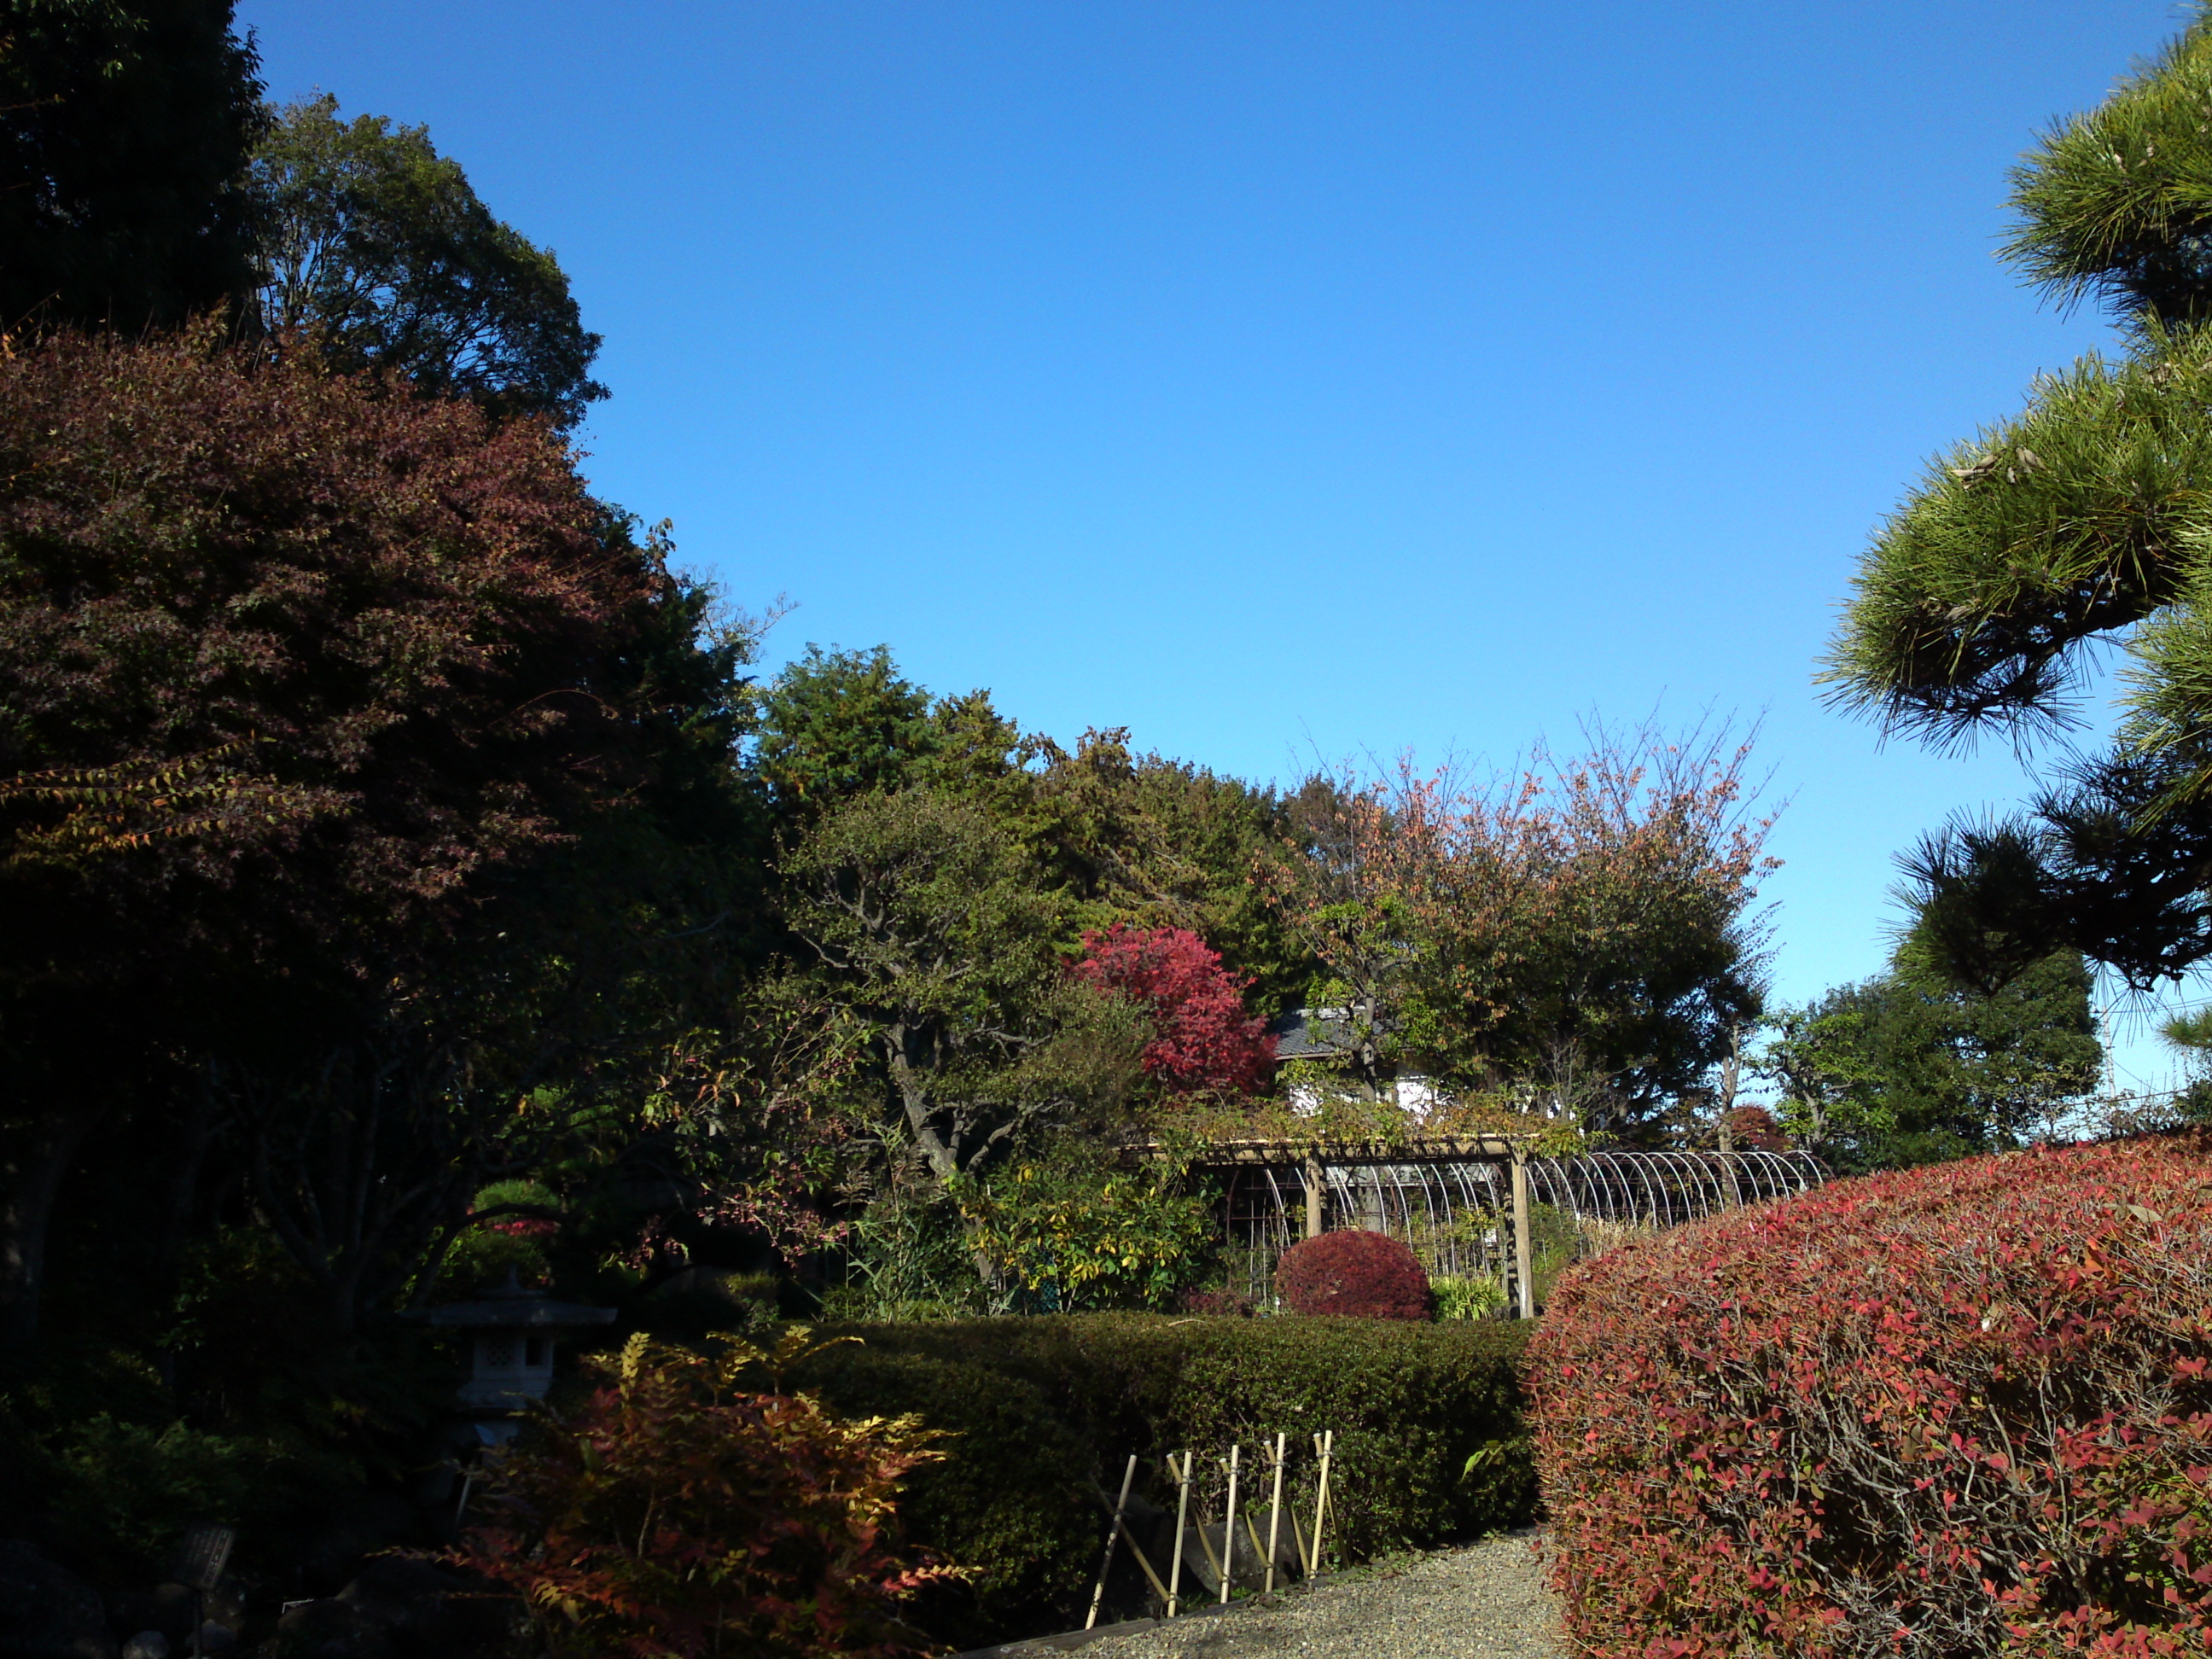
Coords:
1667,1186
1310,1158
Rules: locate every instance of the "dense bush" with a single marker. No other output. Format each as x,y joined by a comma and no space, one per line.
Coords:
677,1514
1043,1412
1960,1410
1070,1236
1360,1275
1472,1295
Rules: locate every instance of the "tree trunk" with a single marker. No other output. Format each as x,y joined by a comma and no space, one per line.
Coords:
194,1135
944,1159
34,1158
1731,1069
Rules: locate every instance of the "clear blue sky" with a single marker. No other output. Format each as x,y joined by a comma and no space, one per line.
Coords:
1282,378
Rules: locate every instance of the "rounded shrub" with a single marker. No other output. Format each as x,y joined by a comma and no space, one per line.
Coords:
1951,1411
1364,1275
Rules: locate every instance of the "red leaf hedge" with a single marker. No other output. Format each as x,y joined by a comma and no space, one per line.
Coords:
1952,1410
1364,1275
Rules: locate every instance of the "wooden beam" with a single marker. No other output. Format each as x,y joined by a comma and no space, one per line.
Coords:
1294,1154
1522,1276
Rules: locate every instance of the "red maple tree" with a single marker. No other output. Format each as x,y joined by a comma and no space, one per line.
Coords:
1203,1040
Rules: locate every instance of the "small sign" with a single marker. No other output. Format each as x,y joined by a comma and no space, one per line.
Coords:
203,1556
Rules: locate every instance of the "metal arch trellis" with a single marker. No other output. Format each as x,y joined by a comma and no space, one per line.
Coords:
1456,1211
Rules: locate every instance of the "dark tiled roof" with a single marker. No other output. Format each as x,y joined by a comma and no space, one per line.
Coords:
1313,1034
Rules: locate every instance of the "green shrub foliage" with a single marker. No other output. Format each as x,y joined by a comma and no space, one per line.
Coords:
1363,1275
1954,1410
1042,1412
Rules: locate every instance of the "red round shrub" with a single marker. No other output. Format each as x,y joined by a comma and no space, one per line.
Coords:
1365,1275
1964,1409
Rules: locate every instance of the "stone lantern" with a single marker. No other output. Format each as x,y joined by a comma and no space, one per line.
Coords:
511,1332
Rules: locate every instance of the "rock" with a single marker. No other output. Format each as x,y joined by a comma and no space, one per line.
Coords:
47,1611
226,1603
166,1612
147,1644
354,1532
171,1609
330,1629
405,1596
217,1638
472,1618
1201,1547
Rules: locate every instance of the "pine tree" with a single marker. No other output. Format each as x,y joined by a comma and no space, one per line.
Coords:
2086,517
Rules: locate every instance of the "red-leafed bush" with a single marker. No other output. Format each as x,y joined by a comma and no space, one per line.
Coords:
1202,1039
1960,1410
1754,1130
1365,1275
676,1517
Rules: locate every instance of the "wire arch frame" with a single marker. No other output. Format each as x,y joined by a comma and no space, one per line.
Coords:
1457,1214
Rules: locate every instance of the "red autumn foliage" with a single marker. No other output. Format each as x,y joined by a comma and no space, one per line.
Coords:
1203,1040
296,647
674,1516
1360,1275
1958,1410
1754,1130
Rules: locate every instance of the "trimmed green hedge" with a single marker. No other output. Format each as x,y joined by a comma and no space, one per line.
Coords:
1043,1409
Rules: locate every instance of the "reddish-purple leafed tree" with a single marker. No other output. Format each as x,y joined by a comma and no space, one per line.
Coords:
304,678
1203,1040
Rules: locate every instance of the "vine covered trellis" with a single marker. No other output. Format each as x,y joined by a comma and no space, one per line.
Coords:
1454,1202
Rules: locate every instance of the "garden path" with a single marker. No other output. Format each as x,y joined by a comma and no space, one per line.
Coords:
1487,1602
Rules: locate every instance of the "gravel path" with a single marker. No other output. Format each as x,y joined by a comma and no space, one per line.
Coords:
1485,1602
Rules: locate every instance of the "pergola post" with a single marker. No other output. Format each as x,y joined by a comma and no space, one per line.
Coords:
1523,1281
1313,1197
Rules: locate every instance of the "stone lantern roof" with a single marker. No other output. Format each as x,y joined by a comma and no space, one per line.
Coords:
513,1305
511,1332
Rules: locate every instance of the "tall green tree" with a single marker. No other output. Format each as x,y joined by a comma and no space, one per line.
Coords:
125,129
376,252
1581,936
836,724
2086,517
929,926
1913,1067
1151,842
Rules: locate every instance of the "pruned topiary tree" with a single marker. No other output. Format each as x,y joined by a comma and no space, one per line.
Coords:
1361,1275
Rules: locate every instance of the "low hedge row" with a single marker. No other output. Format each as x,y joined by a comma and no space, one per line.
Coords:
1045,1411
1954,1410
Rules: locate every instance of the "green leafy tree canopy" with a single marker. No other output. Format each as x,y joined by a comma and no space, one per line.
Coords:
375,249
125,127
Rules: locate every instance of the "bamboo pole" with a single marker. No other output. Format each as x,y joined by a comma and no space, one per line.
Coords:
1229,1529
1326,1445
1144,1561
1206,1547
1275,1516
1183,1512
1113,1536
1252,1532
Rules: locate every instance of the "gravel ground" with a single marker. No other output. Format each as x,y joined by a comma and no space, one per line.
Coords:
1485,1602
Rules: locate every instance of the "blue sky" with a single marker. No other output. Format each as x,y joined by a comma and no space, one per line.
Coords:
1286,379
